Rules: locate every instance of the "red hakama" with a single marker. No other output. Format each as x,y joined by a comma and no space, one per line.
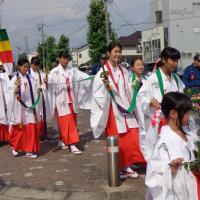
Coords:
25,138
4,134
68,123
68,129
129,147
40,128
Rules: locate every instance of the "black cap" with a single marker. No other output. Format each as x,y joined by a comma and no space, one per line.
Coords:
197,57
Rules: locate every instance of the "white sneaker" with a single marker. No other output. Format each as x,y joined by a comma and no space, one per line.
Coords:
15,153
62,145
75,150
31,155
130,173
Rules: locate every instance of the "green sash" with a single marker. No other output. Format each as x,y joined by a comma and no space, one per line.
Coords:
160,81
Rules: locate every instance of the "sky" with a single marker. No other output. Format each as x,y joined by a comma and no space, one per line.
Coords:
21,18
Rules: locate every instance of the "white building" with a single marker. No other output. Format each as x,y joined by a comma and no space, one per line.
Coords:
131,46
80,55
175,23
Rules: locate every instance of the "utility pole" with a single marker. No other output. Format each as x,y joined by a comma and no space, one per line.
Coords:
26,44
18,51
107,20
41,28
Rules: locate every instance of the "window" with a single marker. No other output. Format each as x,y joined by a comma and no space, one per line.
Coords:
166,36
189,55
159,17
196,5
183,55
80,55
196,29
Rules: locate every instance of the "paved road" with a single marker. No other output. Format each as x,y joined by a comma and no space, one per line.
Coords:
59,175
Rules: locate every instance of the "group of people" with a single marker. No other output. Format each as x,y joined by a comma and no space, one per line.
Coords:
150,116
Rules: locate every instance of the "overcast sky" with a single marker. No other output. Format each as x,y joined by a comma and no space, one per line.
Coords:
21,18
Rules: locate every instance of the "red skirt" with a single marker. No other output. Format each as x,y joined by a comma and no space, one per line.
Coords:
129,147
25,138
40,128
4,134
197,177
68,129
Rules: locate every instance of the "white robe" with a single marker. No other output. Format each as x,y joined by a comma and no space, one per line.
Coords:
4,82
57,90
35,76
147,92
101,101
162,185
143,119
17,113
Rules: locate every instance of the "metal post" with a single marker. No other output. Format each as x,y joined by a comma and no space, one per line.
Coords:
113,161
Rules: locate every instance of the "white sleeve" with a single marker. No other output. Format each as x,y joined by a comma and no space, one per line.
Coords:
50,95
181,85
144,98
100,106
159,176
84,91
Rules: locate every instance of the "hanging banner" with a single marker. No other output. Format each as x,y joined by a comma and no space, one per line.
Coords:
6,55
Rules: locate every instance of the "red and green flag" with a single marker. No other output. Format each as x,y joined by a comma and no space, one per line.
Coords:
6,55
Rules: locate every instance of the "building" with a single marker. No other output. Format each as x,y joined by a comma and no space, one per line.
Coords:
80,55
174,23
131,46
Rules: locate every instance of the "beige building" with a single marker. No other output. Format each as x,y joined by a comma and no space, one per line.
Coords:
80,55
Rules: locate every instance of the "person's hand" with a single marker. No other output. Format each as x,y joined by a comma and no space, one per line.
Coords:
175,164
45,80
17,90
106,83
154,104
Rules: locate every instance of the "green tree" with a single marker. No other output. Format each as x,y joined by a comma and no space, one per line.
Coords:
22,55
52,48
63,43
96,35
50,51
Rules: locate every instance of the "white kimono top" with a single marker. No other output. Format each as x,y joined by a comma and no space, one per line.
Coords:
17,113
58,91
101,101
4,82
147,92
162,185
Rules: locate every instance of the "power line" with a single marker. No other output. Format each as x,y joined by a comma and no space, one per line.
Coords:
153,22
116,9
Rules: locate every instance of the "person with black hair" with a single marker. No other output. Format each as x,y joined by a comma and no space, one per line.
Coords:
4,81
38,76
111,97
166,176
137,69
67,93
23,120
151,93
